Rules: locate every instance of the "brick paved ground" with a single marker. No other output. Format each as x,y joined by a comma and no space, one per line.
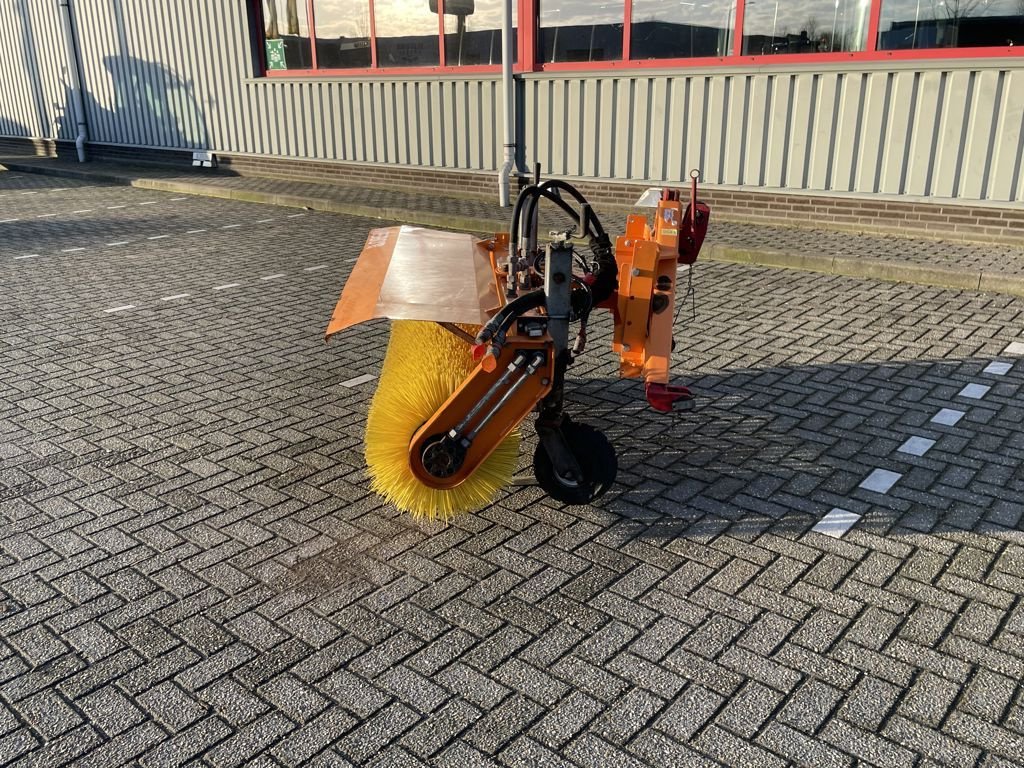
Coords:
994,259
192,571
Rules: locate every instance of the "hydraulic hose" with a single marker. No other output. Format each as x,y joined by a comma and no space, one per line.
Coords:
505,316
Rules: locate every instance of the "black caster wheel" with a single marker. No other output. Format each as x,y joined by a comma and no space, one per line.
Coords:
596,459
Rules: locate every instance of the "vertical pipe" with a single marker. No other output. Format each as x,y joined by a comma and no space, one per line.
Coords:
76,81
506,86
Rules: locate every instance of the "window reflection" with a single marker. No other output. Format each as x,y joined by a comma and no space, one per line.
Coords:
286,27
407,33
472,31
950,23
814,26
670,29
342,33
579,30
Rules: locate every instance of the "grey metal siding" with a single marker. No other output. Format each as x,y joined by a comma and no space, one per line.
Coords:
179,75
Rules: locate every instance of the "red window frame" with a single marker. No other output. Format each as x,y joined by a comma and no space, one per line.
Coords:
527,50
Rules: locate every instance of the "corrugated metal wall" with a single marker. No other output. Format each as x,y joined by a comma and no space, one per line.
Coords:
33,78
182,77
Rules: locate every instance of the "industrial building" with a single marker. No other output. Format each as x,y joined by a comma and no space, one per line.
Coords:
822,111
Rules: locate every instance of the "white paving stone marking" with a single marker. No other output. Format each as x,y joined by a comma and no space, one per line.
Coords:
998,369
175,296
273,277
72,250
314,269
836,523
28,256
194,231
974,391
231,226
158,237
120,309
948,417
366,377
119,242
226,286
295,215
916,446
1015,348
880,481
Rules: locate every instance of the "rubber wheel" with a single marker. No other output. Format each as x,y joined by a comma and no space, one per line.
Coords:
597,461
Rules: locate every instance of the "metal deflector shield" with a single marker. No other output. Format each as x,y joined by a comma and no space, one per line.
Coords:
411,273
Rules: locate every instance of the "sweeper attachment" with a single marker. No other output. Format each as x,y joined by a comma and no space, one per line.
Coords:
481,338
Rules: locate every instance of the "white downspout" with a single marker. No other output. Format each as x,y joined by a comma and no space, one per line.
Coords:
506,86
76,83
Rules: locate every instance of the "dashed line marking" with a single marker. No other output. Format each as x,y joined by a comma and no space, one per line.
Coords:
974,391
72,250
84,210
28,256
837,522
880,481
175,296
113,207
916,446
194,231
226,286
231,226
998,369
120,242
120,309
31,192
948,417
158,237
1015,348
366,377
150,202
176,199
263,221
45,215
295,215
8,221
314,269
272,277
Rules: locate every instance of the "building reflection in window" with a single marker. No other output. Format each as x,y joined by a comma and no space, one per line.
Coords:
472,31
580,30
342,30
286,25
408,33
670,29
813,26
950,24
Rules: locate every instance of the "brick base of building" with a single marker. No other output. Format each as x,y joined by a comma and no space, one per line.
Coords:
942,219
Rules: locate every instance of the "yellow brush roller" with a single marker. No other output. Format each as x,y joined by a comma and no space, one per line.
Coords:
423,366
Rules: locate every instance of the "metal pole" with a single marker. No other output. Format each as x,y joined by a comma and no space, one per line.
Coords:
506,85
76,82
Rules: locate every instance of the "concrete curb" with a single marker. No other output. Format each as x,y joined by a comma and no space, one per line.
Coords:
894,271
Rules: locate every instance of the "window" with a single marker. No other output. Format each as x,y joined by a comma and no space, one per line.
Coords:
382,34
814,26
950,24
342,34
580,30
472,31
671,29
286,34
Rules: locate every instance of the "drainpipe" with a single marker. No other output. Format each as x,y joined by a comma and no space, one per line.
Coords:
76,83
506,86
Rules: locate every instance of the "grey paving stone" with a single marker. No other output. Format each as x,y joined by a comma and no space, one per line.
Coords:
189,537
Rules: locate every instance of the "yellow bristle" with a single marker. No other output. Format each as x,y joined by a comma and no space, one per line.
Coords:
423,365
